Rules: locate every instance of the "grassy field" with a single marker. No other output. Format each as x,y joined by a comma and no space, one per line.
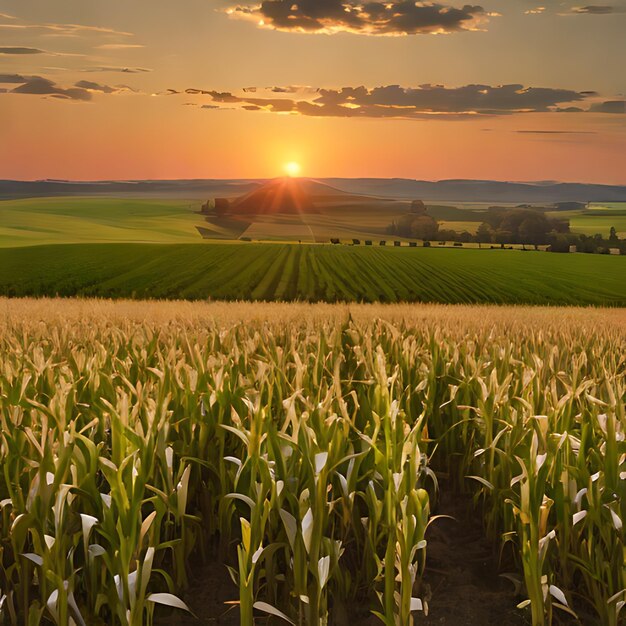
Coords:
236,271
35,221
42,221
311,449
599,219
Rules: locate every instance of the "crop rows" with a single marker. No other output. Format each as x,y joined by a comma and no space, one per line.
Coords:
314,273
307,450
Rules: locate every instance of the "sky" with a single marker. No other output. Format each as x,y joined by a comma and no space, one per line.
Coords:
152,89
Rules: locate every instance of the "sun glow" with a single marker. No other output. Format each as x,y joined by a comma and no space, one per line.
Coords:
292,168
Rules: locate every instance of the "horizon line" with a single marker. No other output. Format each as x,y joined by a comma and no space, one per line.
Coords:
254,179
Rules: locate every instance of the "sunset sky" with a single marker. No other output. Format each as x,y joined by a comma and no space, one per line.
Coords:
135,89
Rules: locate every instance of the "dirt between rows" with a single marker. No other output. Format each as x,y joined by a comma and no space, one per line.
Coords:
462,582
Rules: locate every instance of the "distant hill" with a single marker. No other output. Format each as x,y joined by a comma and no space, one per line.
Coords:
481,190
281,195
432,191
188,189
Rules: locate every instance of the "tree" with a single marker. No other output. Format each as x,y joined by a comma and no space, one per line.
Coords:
613,238
424,227
418,207
560,243
503,236
484,234
533,229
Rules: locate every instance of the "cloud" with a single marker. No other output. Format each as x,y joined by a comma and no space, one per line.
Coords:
39,86
113,69
556,132
394,17
535,11
394,101
609,106
12,78
20,50
97,70
119,46
91,86
594,9
64,30
24,50
422,102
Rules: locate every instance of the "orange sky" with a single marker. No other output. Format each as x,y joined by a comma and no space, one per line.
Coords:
86,90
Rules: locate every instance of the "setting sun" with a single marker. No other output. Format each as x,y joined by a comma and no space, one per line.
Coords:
292,168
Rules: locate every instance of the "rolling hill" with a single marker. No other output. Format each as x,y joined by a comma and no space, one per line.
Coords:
444,190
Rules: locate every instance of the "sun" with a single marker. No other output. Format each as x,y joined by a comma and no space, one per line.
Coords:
292,168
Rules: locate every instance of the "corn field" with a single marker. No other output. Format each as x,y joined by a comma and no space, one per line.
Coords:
306,447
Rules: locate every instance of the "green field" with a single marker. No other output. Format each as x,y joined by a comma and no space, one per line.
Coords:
599,218
237,271
35,221
42,221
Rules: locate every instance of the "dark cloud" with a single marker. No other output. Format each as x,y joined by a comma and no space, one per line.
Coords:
91,86
398,102
395,17
20,50
594,9
422,102
610,106
12,78
39,86
224,96
483,99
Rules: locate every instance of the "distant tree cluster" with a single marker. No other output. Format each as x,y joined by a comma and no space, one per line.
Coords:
589,243
519,225
416,223
504,226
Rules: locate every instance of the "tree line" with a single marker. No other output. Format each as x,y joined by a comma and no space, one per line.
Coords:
501,225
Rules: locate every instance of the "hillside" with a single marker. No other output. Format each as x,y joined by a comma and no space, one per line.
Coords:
279,196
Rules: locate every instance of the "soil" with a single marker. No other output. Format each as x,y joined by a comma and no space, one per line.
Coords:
462,581
462,575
